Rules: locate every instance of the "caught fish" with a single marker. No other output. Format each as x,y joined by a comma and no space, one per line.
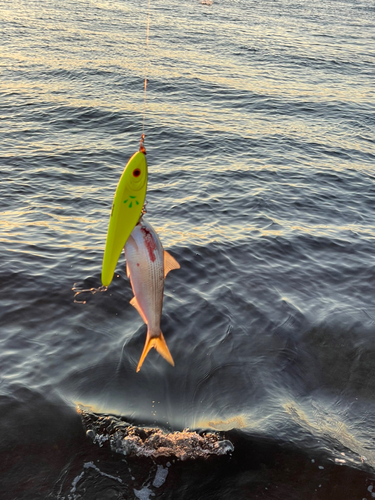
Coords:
147,265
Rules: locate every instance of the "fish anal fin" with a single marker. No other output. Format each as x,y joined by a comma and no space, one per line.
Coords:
160,345
134,302
170,263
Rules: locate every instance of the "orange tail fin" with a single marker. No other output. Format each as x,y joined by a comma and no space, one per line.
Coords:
160,345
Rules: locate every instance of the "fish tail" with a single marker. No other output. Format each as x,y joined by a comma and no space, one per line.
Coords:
160,345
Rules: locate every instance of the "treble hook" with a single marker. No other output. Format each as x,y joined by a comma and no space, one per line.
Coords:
144,211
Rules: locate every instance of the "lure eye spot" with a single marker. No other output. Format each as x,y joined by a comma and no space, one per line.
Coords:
136,172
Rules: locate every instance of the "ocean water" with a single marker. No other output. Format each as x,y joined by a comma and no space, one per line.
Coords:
260,137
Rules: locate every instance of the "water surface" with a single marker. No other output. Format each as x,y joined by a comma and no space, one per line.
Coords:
259,123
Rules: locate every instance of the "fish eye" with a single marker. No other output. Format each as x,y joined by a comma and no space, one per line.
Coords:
136,172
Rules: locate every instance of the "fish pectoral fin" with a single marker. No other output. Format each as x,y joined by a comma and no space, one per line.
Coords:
134,302
169,263
127,271
160,345
131,241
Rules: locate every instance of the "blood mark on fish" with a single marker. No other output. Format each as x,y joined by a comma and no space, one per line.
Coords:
150,243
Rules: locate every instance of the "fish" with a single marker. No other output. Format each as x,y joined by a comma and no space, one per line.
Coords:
147,265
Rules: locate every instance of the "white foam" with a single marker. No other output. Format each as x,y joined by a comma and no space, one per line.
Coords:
182,445
88,465
153,442
160,476
100,439
75,482
91,465
144,493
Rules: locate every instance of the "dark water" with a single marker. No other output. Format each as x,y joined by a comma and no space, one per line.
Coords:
261,149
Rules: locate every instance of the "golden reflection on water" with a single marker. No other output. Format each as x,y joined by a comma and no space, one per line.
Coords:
320,422
126,55
204,234
235,422
325,422
78,50
15,232
248,124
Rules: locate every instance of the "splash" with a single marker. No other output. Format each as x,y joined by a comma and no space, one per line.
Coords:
183,445
131,440
77,479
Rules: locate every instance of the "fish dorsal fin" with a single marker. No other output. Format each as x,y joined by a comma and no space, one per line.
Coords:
169,263
134,303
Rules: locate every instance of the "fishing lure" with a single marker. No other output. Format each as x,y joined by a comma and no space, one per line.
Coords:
126,210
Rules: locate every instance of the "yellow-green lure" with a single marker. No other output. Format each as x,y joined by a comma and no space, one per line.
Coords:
126,209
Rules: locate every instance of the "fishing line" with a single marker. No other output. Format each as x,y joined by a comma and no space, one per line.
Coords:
124,188
141,145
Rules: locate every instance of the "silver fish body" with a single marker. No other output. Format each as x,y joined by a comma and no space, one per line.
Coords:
147,265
